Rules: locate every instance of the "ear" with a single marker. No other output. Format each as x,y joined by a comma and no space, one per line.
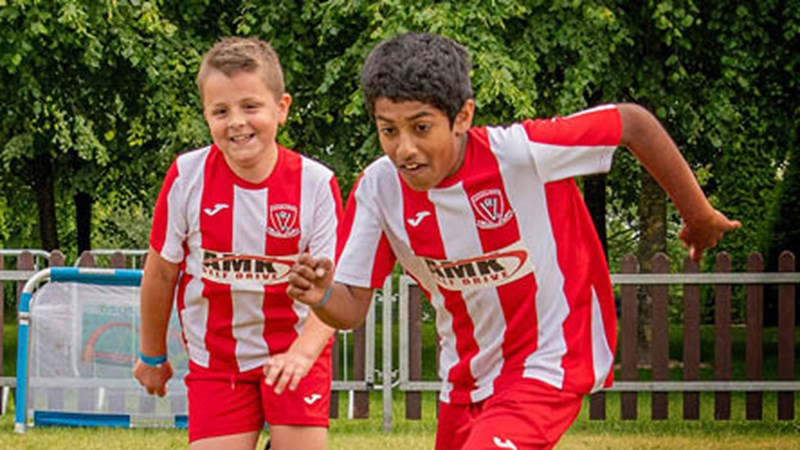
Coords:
463,120
283,107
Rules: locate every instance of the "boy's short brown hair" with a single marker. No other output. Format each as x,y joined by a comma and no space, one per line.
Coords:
238,54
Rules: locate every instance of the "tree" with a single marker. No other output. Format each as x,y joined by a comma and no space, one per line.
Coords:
96,94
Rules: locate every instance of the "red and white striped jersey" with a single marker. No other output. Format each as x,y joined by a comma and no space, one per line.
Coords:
235,242
506,252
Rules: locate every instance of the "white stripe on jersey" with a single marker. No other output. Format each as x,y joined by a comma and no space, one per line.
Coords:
483,306
602,356
194,315
249,232
551,305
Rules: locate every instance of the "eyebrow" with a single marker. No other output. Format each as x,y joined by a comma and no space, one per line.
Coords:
414,117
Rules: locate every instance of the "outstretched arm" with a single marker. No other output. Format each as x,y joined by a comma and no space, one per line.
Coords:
346,306
703,225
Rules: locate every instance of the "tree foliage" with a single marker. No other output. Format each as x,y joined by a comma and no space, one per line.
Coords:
105,89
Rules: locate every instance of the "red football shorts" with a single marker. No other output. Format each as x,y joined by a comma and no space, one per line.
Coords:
528,414
222,404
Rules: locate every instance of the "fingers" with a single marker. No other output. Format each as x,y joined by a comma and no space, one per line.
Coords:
153,379
282,373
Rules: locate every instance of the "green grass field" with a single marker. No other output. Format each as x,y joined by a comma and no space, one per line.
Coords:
367,434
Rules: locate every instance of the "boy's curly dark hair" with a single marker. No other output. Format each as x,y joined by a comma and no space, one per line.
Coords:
424,67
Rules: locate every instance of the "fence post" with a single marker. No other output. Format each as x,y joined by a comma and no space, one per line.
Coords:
629,338
786,311
414,398
116,397
2,316
659,349
24,262
333,411
55,395
360,399
691,341
754,354
722,343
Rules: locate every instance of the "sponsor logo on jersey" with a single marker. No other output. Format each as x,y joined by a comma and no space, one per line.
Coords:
282,221
491,269
227,268
490,209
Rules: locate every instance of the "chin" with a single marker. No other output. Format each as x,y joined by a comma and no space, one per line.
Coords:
418,186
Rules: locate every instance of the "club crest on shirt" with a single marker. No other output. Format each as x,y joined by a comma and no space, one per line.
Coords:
282,221
488,270
490,209
227,268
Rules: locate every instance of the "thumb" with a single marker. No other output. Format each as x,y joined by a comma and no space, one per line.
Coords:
323,267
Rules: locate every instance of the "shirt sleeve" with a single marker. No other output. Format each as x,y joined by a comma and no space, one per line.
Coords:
365,257
580,144
327,219
169,219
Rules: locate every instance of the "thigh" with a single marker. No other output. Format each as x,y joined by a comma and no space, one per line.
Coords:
527,415
309,404
223,405
241,441
287,437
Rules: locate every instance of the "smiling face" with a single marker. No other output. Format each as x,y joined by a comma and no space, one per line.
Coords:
420,141
243,116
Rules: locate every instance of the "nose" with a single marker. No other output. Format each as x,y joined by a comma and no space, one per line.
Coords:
406,148
237,120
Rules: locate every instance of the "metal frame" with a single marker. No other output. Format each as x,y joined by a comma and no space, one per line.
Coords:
119,277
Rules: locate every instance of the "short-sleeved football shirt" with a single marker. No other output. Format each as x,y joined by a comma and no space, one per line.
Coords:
235,242
506,252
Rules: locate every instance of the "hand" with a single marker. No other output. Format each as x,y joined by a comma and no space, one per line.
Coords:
154,379
286,369
706,233
309,279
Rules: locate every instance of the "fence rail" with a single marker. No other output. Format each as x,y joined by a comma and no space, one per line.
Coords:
358,375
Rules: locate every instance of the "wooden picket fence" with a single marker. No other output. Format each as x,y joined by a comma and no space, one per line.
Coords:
360,366
630,283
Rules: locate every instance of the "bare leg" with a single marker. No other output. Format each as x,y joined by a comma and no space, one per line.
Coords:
286,437
241,441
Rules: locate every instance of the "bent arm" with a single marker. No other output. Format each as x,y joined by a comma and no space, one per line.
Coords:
346,308
647,139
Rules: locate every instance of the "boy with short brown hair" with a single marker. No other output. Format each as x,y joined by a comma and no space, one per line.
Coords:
230,221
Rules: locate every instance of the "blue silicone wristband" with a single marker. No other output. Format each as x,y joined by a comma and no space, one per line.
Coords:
153,361
325,298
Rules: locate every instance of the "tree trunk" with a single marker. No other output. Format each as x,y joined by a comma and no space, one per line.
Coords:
83,219
652,239
44,187
594,194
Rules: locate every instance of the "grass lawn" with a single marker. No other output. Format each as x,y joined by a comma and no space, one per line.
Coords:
367,434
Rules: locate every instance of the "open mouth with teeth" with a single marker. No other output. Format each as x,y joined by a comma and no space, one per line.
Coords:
242,138
411,166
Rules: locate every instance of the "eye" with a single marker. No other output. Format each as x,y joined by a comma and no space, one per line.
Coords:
251,106
422,127
386,131
217,112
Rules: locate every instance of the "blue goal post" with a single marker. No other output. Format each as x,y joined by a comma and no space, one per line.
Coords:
77,343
